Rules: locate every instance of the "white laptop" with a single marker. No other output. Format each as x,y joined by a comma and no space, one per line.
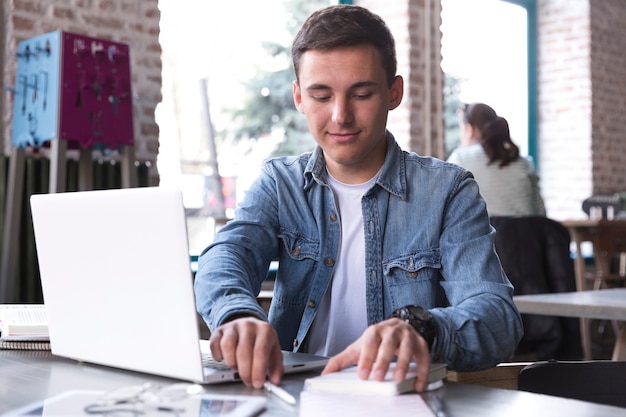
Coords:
117,283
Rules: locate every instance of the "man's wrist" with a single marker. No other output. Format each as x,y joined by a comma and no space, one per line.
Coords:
235,316
420,319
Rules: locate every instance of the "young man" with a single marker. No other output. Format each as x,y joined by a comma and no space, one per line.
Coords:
383,255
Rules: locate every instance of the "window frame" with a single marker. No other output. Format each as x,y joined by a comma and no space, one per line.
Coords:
531,59
531,52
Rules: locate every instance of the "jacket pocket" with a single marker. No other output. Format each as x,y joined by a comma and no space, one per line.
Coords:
412,279
297,262
299,247
410,265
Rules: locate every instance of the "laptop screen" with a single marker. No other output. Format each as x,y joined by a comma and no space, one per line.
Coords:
116,279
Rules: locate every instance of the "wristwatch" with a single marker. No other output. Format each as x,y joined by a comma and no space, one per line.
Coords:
420,319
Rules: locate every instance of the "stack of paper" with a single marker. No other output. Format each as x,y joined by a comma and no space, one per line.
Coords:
348,382
317,403
24,326
344,393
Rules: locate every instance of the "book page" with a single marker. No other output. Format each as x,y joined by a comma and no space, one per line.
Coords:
317,403
13,344
347,381
23,322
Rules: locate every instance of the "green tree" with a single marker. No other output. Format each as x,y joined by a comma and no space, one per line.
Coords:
452,103
268,103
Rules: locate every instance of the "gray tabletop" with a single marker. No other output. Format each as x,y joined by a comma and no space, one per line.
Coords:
28,377
607,304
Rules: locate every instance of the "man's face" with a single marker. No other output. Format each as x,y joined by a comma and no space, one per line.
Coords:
344,96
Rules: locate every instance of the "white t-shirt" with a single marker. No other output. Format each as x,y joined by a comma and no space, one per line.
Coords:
342,315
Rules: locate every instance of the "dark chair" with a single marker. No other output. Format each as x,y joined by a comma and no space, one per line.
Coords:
535,254
600,381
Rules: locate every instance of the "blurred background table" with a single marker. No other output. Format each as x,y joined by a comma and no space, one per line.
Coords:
609,240
606,267
605,304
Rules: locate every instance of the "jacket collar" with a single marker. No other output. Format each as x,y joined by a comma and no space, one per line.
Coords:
392,176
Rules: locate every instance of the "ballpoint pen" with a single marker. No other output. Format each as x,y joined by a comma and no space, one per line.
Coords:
279,392
435,404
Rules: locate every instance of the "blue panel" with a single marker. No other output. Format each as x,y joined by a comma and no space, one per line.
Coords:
36,100
72,87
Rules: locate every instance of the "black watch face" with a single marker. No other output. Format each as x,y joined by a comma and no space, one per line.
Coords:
419,313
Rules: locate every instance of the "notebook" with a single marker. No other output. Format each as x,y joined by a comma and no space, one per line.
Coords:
117,283
347,381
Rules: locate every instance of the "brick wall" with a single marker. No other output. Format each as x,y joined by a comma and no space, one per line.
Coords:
582,90
608,80
564,102
130,21
418,123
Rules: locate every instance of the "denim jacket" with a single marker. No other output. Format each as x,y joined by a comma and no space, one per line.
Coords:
428,242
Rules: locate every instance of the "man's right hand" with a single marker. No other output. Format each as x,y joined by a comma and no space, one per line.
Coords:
250,346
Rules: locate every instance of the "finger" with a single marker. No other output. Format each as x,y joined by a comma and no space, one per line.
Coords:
333,365
227,341
422,359
391,338
406,351
275,368
349,356
266,356
370,346
214,344
258,368
244,352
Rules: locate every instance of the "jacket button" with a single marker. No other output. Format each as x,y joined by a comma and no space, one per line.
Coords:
295,343
311,303
329,262
333,217
296,251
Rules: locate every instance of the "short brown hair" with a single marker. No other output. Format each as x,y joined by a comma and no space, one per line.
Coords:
345,25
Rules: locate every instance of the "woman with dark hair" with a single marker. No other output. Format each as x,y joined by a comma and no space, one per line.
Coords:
507,181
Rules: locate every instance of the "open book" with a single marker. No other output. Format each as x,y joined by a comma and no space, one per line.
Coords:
23,322
347,381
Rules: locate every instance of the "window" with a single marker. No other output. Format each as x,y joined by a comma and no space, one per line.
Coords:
488,49
215,61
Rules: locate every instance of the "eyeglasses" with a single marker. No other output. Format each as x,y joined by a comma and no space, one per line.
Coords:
140,399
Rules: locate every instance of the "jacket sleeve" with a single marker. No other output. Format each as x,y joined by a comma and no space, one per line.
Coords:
233,267
481,326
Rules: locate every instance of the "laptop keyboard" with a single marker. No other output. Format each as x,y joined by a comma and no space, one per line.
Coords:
209,361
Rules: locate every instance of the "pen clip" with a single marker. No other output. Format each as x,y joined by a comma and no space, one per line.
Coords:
435,403
280,393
